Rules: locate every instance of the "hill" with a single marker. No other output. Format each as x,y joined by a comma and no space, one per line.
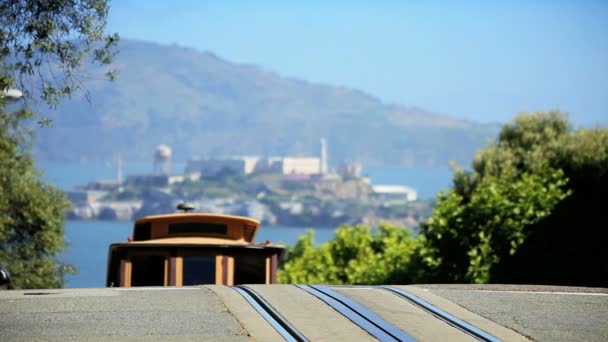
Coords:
202,105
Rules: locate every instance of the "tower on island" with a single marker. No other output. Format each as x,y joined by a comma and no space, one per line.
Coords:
162,159
119,169
324,167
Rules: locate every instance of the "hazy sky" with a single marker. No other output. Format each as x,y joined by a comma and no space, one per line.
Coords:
484,61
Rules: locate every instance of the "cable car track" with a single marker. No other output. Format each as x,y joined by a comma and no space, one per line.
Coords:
358,314
278,322
442,315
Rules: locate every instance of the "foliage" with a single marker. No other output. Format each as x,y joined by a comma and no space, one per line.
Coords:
46,43
31,212
356,255
43,47
530,211
125,194
517,215
418,210
467,238
568,247
229,186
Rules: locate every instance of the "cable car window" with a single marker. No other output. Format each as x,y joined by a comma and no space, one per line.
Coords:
143,231
113,276
147,270
198,269
197,228
249,269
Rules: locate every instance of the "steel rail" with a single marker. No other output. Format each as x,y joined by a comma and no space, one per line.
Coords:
278,322
358,314
442,315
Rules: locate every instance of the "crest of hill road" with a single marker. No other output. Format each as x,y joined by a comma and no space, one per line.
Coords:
204,106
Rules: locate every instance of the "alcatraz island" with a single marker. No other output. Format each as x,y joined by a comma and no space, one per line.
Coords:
289,191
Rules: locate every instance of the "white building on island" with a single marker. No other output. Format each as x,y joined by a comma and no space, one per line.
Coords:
248,165
395,194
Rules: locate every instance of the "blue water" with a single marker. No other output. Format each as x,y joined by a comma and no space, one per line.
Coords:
89,240
68,176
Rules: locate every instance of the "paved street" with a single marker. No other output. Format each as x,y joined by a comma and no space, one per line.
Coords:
164,314
544,313
219,313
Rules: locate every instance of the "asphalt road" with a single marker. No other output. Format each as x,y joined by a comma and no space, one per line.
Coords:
219,313
543,313
116,314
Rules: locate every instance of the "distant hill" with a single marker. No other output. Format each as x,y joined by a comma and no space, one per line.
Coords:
204,106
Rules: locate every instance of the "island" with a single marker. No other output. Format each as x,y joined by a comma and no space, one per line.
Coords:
289,191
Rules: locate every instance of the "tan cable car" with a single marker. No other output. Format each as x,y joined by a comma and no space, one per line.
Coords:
193,249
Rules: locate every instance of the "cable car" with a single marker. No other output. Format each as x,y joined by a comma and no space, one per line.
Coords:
185,249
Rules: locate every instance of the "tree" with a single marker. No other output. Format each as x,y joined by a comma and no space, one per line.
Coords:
468,236
31,212
356,255
530,211
568,246
43,45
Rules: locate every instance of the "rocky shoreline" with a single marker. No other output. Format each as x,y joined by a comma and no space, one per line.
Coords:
292,213
289,200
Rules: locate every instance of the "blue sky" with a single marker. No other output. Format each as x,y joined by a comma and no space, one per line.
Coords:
482,61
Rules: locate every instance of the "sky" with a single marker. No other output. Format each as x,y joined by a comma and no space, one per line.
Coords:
483,61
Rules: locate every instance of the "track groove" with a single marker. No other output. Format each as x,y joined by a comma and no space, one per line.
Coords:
358,314
281,325
442,315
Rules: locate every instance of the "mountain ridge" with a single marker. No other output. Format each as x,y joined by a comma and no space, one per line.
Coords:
200,104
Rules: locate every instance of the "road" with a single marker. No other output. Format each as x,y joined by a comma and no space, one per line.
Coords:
220,313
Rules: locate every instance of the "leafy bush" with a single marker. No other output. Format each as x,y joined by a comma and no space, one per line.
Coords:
530,211
356,255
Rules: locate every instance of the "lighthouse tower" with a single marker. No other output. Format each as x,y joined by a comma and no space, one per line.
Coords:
324,168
